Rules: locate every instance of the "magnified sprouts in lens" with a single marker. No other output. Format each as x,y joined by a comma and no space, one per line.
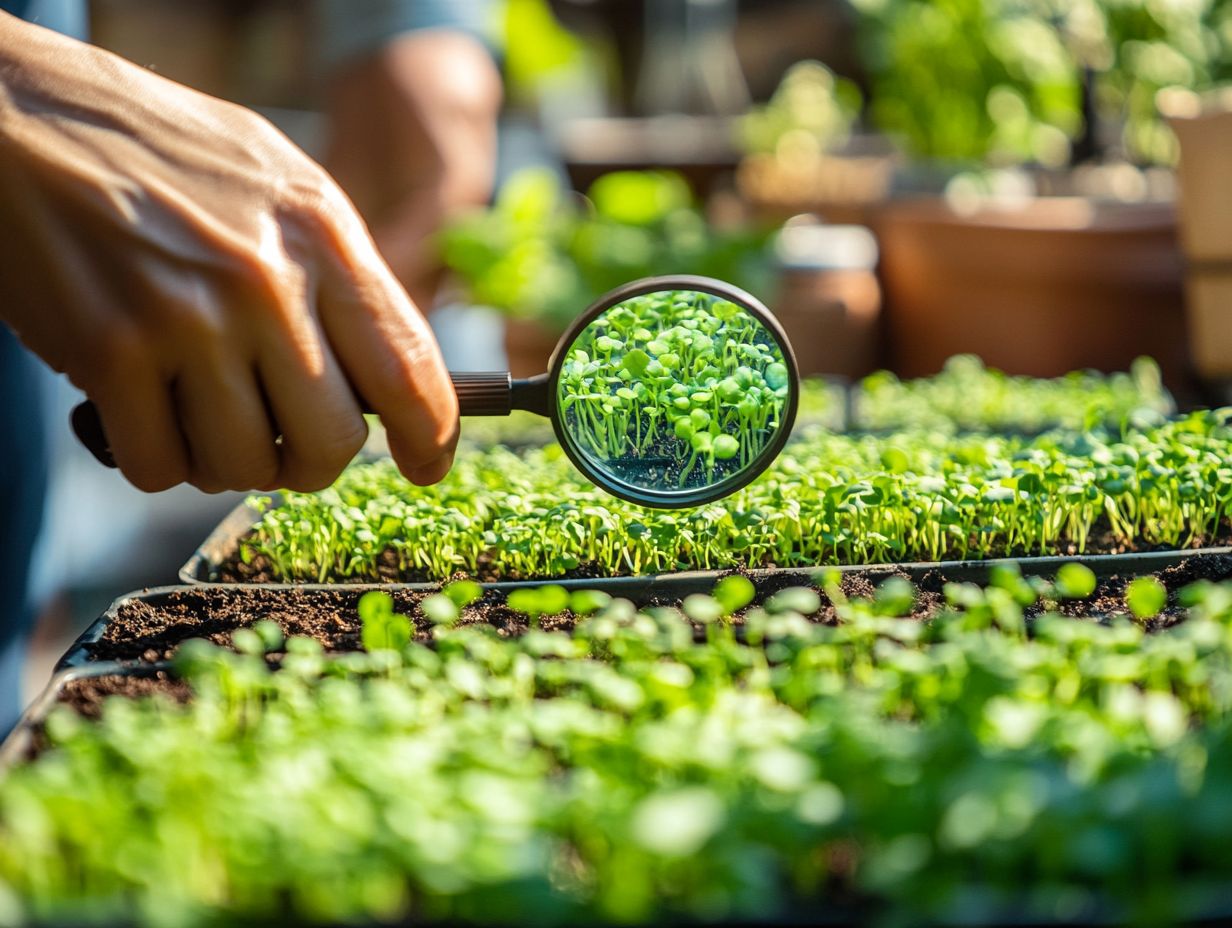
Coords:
673,390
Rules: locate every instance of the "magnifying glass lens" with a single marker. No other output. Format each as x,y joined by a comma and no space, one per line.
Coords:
671,396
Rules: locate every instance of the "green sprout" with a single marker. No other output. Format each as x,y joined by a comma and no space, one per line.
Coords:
674,389
1146,597
383,629
628,773
829,498
539,601
1075,581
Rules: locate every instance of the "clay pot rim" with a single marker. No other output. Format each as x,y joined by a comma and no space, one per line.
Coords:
1066,214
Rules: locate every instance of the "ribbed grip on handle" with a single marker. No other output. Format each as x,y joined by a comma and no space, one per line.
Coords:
487,393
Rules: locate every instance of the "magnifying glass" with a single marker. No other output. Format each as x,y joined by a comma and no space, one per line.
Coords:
668,392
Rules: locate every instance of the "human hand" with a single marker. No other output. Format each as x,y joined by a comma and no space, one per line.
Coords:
203,281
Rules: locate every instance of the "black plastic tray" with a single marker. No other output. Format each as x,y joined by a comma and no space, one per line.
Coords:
1211,905
16,746
653,588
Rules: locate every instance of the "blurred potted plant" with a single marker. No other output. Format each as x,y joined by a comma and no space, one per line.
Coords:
1204,128
801,155
541,256
1036,284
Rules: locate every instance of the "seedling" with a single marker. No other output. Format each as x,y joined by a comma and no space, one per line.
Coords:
383,629
629,774
440,609
683,384
539,601
1075,581
1146,597
828,499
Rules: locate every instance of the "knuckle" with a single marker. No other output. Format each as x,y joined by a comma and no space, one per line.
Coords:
308,470
207,483
118,350
252,471
264,278
201,324
304,477
350,439
153,478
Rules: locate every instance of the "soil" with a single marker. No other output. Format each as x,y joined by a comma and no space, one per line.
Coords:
87,694
1102,540
151,630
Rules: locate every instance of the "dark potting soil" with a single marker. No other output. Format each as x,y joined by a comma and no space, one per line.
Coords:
151,632
87,694
1102,540
143,630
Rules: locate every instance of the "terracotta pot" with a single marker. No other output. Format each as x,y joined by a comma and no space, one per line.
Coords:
829,300
528,347
1053,285
1206,232
831,318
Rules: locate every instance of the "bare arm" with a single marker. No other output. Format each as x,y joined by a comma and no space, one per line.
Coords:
413,141
201,279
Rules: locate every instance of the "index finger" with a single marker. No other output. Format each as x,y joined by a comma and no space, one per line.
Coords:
388,352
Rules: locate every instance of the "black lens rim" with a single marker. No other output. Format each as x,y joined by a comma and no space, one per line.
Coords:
700,496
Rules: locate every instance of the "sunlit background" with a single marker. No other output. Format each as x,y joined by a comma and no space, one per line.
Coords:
900,180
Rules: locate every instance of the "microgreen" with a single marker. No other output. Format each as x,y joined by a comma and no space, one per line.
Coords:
1145,597
829,498
1075,581
463,592
794,599
439,609
382,629
733,593
967,395
630,774
535,602
673,389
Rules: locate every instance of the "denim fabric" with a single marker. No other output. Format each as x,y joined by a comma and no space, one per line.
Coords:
23,486
23,442
348,28
66,16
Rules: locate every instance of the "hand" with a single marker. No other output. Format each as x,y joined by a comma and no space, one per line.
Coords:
202,280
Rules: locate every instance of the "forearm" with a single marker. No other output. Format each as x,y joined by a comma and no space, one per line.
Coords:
413,141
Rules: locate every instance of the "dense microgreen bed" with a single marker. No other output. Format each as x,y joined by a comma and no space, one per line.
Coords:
965,396
981,765
917,496
822,405
673,389
968,395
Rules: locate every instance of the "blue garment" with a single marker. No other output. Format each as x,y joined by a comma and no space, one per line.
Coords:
23,487
66,16
23,443
348,29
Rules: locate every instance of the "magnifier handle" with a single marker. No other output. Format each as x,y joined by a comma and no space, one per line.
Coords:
487,393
